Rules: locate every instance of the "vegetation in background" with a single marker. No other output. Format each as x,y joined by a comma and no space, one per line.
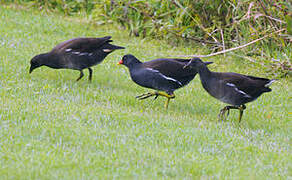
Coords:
218,24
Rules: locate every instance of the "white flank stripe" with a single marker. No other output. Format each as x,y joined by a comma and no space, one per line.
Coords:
75,52
67,50
168,78
81,54
230,84
236,89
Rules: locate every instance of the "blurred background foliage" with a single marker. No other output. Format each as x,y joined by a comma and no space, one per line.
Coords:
216,24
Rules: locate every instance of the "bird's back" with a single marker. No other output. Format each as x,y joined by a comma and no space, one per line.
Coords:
80,53
250,84
151,78
81,44
234,88
173,68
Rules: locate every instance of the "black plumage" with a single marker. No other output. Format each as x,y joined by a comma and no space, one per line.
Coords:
162,75
76,54
231,88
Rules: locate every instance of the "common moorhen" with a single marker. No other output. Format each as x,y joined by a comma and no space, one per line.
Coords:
76,54
231,88
162,75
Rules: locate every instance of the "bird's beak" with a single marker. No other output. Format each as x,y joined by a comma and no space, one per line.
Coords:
31,69
120,62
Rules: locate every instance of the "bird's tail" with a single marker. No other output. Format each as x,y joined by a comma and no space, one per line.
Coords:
270,82
111,46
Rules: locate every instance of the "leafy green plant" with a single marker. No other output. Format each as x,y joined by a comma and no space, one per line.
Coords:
217,24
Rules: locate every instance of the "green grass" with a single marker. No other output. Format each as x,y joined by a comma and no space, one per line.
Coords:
52,127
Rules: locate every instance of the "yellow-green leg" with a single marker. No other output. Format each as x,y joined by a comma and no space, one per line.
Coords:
222,116
156,94
145,96
241,109
166,103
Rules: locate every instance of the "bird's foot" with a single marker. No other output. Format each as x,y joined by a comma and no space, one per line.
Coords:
147,95
221,115
156,94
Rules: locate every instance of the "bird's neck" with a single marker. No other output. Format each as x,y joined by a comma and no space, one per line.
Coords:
204,72
135,65
206,77
50,60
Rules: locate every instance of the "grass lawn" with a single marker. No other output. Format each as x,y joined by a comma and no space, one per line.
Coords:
52,127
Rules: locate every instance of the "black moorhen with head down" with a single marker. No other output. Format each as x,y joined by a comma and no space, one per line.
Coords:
76,54
231,88
162,75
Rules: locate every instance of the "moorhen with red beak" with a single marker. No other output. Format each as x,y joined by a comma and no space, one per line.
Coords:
162,75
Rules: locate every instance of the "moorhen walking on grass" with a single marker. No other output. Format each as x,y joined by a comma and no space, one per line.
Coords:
231,88
76,54
162,75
